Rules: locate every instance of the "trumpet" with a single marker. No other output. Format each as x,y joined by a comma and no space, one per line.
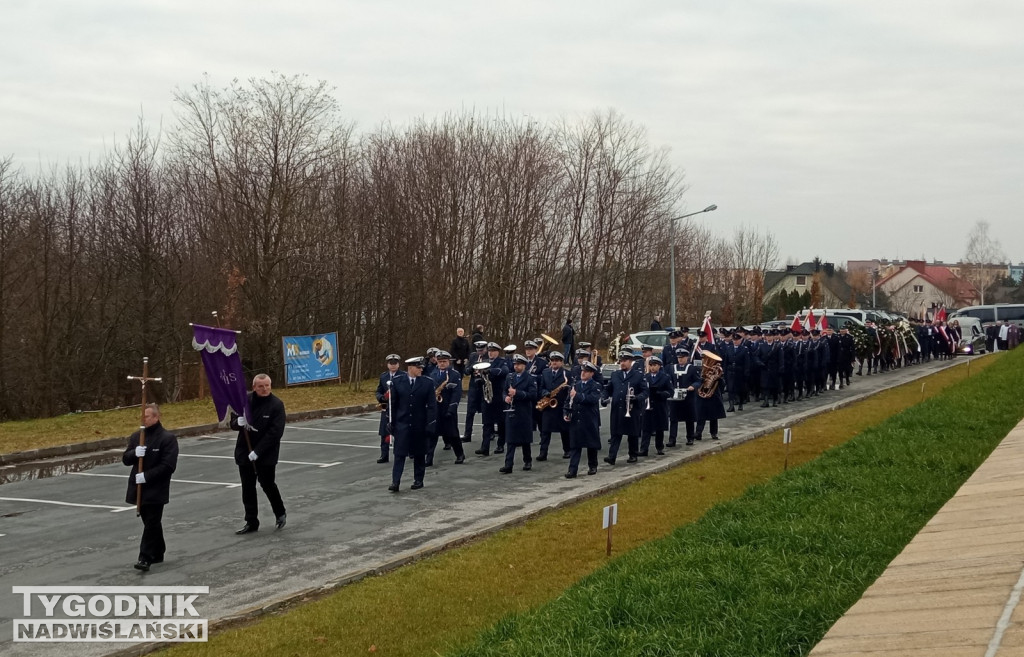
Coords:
567,413
629,400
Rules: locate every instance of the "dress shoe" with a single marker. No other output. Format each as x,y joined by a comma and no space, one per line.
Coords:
566,455
609,460
714,437
670,443
570,475
698,437
467,440
740,407
504,470
142,565
499,450
428,464
382,459
247,529
416,485
460,460
764,404
689,442
528,466
661,452
631,459
447,447
281,521
730,409
393,488
542,457
482,452
592,471
643,453
157,560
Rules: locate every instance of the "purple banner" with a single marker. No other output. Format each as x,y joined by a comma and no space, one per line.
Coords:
219,352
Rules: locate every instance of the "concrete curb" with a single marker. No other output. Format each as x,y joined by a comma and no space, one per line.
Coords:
83,448
432,548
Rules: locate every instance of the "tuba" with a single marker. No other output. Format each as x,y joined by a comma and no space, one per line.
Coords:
545,341
480,369
710,374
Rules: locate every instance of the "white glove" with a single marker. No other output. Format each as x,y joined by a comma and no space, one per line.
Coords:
140,478
252,456
140,451
241,421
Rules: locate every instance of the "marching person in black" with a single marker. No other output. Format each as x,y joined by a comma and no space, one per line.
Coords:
800,369
788,366
383,394
449,381
159,459
552,418
265,428
847,352
625,391
710,409
475,397
535,366
687,378
737,362
582,412
414,418
583,356
769,362
833,362
494,412
655,416
520,398
754,392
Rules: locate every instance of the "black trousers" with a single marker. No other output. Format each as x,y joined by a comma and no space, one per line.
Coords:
455,442
385,446
152,546
714,427
574,459
419,468
510,454
265,476
545,441
632,444
489,433
673,430
470,416
659,440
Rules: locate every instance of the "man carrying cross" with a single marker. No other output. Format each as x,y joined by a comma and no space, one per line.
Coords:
150,486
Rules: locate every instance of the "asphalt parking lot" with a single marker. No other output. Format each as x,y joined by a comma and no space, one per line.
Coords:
75,529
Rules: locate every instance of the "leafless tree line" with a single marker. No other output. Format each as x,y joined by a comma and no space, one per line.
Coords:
262,202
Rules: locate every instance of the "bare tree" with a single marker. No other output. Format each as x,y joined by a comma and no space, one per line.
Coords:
982,251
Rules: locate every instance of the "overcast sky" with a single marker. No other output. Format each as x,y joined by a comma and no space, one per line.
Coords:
851,130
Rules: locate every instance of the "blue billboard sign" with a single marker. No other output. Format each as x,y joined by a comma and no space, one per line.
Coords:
309,358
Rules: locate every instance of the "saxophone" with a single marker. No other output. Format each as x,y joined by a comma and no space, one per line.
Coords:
550,400
439,390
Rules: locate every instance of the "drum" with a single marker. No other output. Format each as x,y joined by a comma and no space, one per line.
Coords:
679,394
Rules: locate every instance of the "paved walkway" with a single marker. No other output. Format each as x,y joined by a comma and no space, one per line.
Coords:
955,590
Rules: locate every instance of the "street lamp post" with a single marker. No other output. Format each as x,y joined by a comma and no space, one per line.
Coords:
672,261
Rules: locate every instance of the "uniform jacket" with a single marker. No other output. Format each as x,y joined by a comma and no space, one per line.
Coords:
266,428
451,395
519,423
616,389
414,414
585,415
158,465
381,394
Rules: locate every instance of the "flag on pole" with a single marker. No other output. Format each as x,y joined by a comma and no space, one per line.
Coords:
796,326
218,349
810,323
941,315
706,329
824,321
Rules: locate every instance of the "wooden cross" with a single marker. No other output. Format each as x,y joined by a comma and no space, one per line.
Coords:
144,379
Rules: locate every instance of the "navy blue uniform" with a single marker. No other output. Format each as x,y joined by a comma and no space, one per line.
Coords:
709,410
519,418
447,413
475,396
655,418
616,390
584,424
382,398
414,417
494,415
685,410
553,419
737,366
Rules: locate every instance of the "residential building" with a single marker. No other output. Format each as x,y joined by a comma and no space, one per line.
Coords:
833,291
917,287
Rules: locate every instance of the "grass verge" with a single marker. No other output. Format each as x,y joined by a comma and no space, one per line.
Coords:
80,427
444,601
770,572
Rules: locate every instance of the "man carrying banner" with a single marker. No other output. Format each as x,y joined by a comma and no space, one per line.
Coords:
257,449
160,458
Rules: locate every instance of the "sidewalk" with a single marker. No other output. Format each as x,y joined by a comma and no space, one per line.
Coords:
955,590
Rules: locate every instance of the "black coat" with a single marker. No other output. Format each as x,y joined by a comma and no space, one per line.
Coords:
500,369
158,465
553,419
451,395
475,396
414,415
687,376
460,349
266,428
659,389
568,335
711,408
519,423
585,416
381,394
616,389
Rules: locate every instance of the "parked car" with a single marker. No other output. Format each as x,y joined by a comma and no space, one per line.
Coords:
635,341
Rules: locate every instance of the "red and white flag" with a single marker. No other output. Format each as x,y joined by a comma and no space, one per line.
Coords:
706,329
941,315
824,321
796,326
810,323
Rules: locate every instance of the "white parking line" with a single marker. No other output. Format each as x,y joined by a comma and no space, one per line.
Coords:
310,442
214,456
177,481
113,509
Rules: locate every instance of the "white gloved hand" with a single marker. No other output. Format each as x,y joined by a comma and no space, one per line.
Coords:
140,451
241,421
140,478
253,456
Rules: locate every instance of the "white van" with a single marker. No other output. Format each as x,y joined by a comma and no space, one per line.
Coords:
993,313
